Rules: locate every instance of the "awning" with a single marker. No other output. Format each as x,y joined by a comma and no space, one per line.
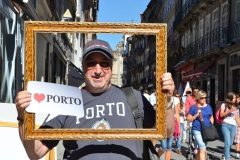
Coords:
198,73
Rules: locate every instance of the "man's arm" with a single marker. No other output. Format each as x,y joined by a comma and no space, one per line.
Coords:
168,88
34,148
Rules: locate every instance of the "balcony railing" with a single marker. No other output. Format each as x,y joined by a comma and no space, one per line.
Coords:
235,31
181,14
215,39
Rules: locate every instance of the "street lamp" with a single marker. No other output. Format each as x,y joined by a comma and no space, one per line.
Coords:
119,52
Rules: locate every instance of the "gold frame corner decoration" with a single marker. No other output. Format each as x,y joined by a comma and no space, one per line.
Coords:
48,27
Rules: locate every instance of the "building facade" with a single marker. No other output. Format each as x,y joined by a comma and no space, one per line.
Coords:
53,51
202,46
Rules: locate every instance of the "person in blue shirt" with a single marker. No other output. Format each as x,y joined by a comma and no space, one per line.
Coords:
193,116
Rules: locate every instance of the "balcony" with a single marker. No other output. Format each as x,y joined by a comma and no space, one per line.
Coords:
188,10
215,39
235,31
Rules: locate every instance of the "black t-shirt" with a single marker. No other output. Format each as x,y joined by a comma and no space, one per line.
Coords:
106,110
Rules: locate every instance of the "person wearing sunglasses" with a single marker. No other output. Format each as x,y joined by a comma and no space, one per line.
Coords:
105,106
230,113
182,117
193,116
190,101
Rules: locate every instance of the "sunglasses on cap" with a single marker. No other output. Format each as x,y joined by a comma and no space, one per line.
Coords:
103,64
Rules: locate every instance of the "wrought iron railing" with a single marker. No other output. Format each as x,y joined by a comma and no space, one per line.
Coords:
235,31
185,9
215,39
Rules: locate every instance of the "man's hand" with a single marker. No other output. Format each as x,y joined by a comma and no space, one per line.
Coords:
167,84
22,101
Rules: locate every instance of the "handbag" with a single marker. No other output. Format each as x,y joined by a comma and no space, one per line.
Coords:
176,131
208,133
218,118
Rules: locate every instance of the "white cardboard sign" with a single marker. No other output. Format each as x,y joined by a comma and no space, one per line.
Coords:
55,99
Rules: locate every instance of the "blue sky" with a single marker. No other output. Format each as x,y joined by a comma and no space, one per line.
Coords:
119,11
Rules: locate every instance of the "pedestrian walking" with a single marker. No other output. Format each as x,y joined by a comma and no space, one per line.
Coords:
97,62
190,101
182,118
188,93
230,113
193,116
166,145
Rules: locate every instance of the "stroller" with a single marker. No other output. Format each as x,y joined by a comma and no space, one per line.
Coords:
190,153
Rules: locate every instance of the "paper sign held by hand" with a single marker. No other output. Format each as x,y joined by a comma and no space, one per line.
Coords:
55,99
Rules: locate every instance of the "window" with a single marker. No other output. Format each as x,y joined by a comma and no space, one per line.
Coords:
189,37
207,24
200,28
186,36
183,40
238,10
194,32
224,15
215,19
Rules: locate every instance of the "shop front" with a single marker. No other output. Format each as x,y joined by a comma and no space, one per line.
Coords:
234,72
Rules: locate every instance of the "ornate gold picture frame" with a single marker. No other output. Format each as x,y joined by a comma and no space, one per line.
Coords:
158,30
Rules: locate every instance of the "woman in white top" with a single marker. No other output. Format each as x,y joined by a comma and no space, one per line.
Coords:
166,144
230,113
182,118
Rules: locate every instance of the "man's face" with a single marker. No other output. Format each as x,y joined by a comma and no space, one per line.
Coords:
97,71
195,92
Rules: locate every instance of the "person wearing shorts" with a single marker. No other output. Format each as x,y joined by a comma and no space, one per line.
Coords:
193,116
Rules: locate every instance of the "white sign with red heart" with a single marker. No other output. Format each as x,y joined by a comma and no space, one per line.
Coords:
55,99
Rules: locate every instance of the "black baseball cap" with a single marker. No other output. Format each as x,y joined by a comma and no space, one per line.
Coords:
97,45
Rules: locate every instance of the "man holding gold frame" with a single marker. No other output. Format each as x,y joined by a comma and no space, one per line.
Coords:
97,64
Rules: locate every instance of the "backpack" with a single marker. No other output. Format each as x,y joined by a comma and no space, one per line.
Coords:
148,150
218,118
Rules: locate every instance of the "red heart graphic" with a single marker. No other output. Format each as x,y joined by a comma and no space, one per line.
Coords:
39,97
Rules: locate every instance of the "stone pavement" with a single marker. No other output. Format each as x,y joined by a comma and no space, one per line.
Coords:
214,150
